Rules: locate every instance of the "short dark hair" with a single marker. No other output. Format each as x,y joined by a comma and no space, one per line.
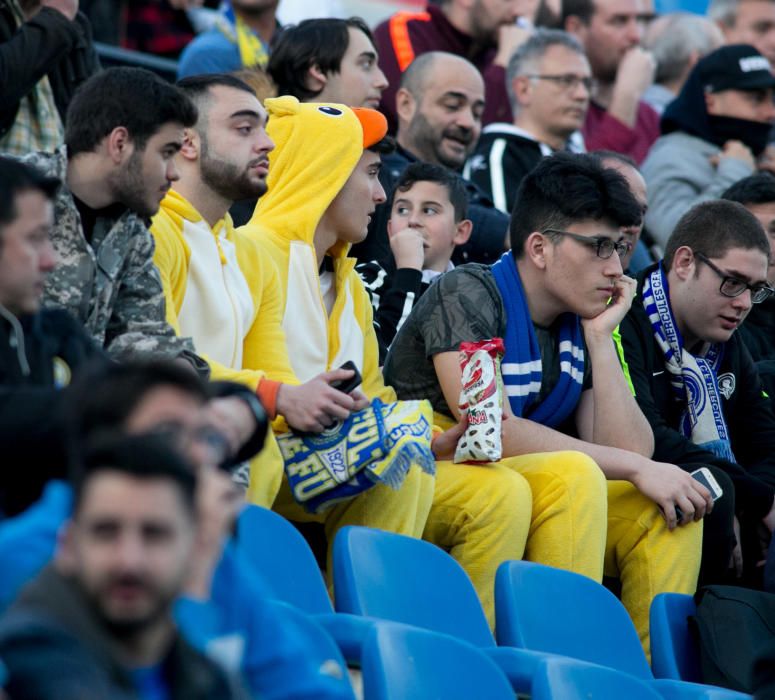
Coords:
103,398
754,189
139,456
622,158
134,98
322,42
715,227
430,172
583,9
566,188
385,146
197,87
16,177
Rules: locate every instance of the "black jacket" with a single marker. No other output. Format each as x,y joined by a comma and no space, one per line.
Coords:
55,648
48,44
758,331
393,294
53,345
748,413
501,160
488,235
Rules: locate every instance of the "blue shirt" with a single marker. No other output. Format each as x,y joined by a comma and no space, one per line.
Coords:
210,52
150,683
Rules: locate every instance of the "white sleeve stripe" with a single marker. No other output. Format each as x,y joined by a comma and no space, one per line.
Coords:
497,183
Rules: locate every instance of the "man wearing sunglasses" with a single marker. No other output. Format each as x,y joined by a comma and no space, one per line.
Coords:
692,376
555,299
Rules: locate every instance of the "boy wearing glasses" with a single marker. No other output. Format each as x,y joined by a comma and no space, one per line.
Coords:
555,299
549,82
692,376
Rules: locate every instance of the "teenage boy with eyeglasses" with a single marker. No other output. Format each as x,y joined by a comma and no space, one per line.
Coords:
555,299
692,375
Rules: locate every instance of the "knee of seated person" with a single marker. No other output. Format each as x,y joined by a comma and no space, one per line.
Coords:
502,490
581,472
510,489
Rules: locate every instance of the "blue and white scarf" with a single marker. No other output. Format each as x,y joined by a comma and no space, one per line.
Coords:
693,377
522,367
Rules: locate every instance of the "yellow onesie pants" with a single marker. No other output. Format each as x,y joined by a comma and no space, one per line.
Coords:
403,511
645,556
549,508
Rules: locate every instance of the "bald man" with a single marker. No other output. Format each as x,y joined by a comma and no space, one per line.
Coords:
439,105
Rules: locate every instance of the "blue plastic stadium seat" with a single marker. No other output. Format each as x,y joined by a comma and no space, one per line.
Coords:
402,579
322,651
545,609
674,652
564,679
408,663
285,562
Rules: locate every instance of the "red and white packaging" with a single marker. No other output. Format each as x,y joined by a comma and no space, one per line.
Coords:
482,398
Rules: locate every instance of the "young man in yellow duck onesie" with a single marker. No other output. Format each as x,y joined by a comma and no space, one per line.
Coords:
225,293
322,189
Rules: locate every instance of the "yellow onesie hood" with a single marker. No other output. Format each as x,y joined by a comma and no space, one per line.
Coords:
316,148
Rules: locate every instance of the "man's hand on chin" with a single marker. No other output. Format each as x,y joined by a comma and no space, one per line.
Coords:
604,324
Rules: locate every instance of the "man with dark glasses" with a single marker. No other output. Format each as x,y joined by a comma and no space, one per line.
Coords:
572,423
694,379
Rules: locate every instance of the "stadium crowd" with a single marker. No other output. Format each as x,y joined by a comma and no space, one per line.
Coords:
250,288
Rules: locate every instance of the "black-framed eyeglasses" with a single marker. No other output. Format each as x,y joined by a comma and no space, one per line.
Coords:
734,286
567,81
604,246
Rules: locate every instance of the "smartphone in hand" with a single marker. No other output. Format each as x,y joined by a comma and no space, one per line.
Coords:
348,385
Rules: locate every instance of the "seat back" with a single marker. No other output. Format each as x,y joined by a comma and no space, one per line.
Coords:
398,578
283,558
563,679
545,609
674,651
404,663
326,671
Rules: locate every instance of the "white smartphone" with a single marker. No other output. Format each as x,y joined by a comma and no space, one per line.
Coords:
704,476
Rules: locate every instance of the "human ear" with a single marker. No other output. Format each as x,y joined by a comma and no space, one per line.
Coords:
405,105
190,148
535,249
316,79
683,265
463,232
119,145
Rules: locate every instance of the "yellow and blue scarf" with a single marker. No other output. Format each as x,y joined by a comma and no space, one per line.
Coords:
252,51
376,445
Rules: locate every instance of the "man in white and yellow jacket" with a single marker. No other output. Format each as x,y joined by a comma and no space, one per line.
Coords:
220,289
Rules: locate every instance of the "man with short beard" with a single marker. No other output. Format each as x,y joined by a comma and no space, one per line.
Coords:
485,32
123,129
440,104
98,623
221,291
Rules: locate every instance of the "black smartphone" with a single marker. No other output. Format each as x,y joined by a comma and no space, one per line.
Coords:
348,385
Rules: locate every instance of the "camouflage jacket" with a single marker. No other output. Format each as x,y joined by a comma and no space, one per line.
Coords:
111,285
